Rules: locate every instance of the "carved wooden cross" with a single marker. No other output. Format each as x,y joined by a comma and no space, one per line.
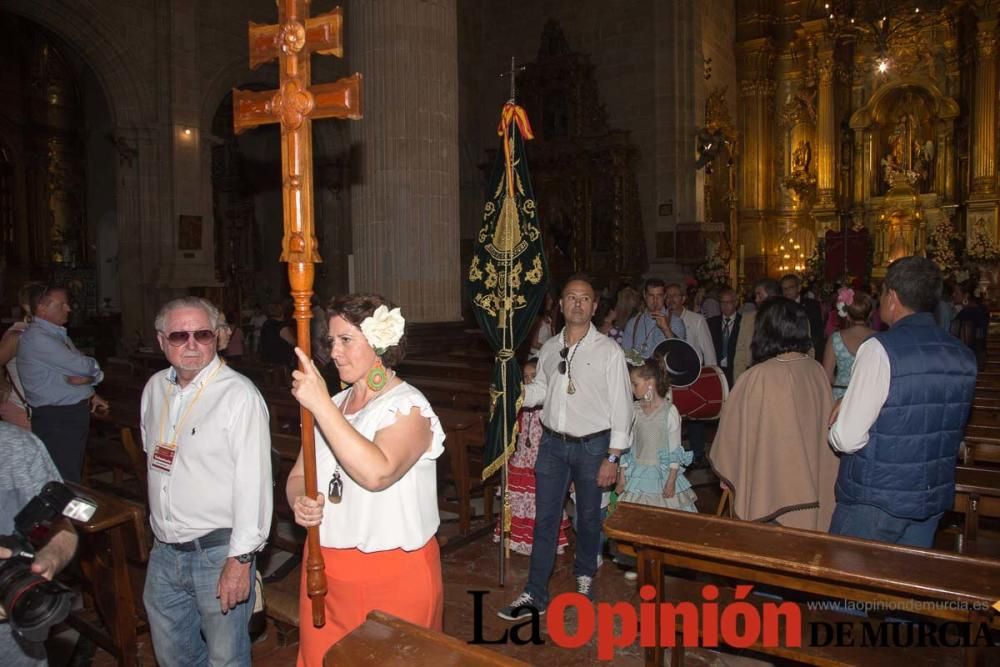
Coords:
294,105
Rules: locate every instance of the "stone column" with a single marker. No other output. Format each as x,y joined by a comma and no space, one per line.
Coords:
141,246
984,114
404,201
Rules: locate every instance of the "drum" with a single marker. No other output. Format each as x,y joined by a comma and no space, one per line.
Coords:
703,398
682,361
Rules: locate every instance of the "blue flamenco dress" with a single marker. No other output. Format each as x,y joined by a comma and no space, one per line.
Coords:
656,445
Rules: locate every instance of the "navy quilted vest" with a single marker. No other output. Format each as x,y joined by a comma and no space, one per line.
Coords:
907,469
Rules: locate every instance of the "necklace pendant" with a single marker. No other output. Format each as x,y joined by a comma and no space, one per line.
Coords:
570,389
335,492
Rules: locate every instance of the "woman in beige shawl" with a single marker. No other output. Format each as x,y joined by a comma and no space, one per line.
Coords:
771,449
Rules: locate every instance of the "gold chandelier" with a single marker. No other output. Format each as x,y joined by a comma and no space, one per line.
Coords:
881,23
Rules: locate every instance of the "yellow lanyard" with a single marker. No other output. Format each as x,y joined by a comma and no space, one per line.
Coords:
180,422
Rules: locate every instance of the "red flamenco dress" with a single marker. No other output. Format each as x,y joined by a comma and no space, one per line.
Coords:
521,486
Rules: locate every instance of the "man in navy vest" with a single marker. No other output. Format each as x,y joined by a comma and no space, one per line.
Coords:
901,421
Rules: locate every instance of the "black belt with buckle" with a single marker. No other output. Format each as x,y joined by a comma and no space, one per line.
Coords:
575,438
216,538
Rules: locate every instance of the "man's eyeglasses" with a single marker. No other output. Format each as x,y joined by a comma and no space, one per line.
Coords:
562,364
178,338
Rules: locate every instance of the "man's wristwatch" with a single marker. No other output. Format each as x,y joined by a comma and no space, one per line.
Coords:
246,558
614,458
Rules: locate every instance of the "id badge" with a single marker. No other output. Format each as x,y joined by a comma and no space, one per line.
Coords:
163,457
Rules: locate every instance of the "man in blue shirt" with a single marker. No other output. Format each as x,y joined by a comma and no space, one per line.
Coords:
58,381
647,329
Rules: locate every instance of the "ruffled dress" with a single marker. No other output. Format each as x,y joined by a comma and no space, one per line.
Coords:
845,365
656,445
521,487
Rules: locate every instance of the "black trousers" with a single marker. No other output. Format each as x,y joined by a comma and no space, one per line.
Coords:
64,430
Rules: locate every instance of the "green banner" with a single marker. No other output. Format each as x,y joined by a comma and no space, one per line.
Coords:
507,280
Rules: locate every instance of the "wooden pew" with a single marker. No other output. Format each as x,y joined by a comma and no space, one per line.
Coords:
981,445
113,550
814,563
977,494
465,433
386,640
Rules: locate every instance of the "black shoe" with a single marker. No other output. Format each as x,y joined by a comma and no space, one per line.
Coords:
520,608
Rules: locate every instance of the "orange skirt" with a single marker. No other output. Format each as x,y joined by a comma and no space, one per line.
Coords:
406,584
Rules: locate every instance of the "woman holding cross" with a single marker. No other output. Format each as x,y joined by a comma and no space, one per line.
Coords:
379,516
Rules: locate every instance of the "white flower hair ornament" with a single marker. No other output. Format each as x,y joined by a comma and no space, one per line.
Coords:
383,328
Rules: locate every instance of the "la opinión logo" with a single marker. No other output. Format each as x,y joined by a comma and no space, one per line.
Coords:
738,624
708,624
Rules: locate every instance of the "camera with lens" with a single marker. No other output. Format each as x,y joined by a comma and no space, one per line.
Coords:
34,604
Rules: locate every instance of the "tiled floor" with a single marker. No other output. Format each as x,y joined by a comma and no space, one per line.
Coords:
473,566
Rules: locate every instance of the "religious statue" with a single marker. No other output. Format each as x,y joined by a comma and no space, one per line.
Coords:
801,157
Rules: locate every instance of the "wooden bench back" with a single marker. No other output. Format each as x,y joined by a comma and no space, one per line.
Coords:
831,560
386,640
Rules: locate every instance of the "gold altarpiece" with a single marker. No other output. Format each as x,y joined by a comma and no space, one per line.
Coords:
841,130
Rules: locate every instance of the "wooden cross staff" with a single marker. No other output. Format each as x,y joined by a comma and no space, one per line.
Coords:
295,104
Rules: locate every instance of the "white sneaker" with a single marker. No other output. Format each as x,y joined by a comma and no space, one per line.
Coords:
584,585
520,607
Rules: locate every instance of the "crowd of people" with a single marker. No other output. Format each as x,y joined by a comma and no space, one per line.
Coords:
855,433
818,430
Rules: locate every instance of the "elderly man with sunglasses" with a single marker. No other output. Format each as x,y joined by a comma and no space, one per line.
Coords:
58,380
208,447
583,382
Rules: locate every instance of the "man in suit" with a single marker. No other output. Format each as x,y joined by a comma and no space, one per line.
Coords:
725,330
742,358
791,288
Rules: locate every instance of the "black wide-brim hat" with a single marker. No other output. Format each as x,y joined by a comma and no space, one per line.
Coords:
682,361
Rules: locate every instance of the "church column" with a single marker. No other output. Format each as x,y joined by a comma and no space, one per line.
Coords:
404,205
138,211
756,167
826,146
985,111
982,206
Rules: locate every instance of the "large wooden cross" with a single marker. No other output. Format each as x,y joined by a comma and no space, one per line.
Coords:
294,105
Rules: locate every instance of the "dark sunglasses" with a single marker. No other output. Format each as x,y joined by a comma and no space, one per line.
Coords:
562,364
178,338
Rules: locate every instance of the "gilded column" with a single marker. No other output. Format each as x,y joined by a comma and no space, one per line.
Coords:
756,125
984,113
404,206
826,136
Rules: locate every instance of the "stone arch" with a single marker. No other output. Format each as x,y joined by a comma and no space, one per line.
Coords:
96,42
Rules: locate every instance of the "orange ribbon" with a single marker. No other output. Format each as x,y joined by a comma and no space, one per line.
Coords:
512,113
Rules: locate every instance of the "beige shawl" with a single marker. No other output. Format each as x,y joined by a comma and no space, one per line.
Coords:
771,448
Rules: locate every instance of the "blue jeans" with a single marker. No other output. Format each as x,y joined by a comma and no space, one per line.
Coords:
187,627
558,463
872,523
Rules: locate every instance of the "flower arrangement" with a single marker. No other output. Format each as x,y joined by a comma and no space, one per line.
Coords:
713,271
383,328
944,247
982,248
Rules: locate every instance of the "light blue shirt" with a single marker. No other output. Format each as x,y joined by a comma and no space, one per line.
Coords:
642,334
45,357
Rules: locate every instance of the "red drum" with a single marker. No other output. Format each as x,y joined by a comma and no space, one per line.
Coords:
702,399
